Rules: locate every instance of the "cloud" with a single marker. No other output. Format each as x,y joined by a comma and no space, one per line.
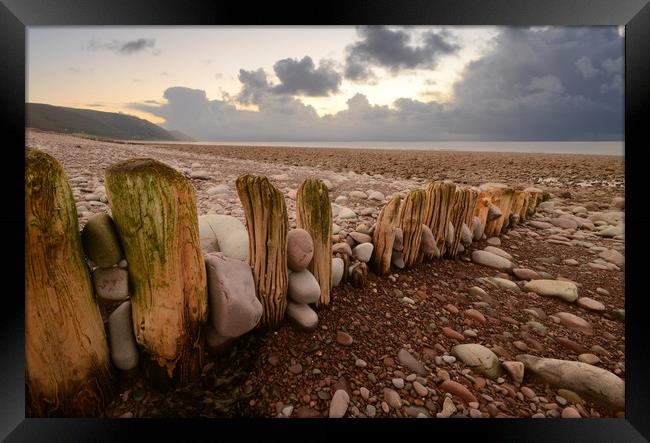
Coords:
548,83
392,50
527,87
301,77
125,47
586,68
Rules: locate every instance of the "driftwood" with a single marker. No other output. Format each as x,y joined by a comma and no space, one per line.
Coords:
519,206
314,215
66,353
267,224
440,197
502,198
384,236
154,208
534,200
462,210
411,216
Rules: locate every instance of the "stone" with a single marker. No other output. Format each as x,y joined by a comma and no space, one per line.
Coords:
565,290
303,287
398,383
457,389
448,332
342,248
406,359
219,189
123,347
498,251
491,260
572,345
100,241
365,393
477,292
494,212
477,228
303,316
466,235
564,223
479,359
398,242
343,338
339,404
223,233
363,252
300,249
358,194
392,398
591,382
397,260
215,343
420,389
377,196
612,231
590,303
360,237
341,200
515,369
540,224
337,270
570,412
574,322
613,256
619,203
428,241
346,213
111,283
589,359
371,411
234,307
200,175
494,241
504,283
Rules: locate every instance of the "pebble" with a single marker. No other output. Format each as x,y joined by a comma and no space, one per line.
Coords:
590,303
398,383
455,388
392,398
295,369
339,404
343,338
570,412
371,410
589,359
421,390
494,241
406,359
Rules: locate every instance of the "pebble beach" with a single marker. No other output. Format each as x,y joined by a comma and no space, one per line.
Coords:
440,339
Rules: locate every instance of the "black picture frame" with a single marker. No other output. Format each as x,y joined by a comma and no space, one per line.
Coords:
16,15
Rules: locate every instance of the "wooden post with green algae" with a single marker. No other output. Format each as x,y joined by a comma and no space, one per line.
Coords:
267,224
66,353
154,209
314,215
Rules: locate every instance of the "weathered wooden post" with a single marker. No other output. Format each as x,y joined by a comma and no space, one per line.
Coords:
384,236
267,224
483,201
440,197
534,199
411,216
66,354
154,209
462,209
314,215
519,203
503,200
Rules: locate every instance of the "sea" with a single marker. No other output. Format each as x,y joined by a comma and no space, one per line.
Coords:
613,148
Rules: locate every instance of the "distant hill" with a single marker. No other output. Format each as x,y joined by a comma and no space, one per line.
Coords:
96,123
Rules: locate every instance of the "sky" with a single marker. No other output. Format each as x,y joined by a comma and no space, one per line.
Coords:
342,83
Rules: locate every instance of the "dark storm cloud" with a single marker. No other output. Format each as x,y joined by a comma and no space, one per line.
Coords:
125,47
304,78
392,49
528,87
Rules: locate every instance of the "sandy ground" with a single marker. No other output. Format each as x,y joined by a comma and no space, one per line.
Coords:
291,373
